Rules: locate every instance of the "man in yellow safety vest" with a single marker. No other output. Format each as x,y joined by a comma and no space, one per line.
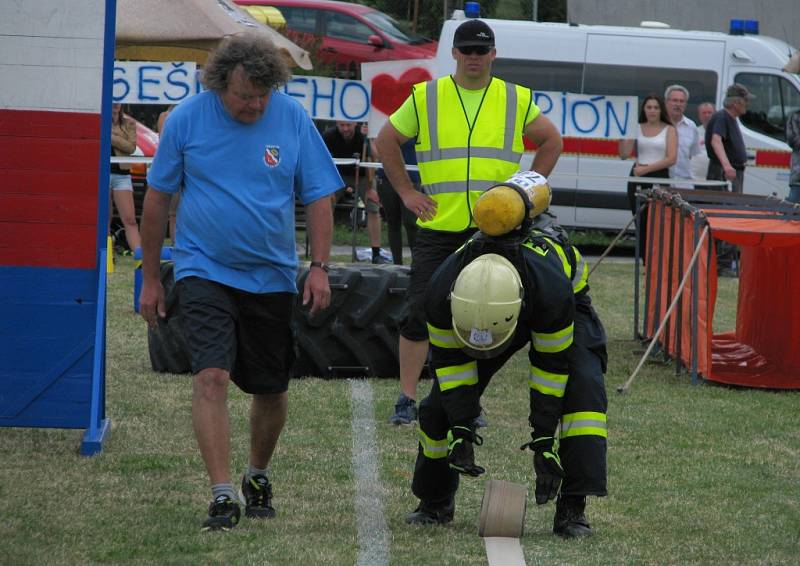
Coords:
469,129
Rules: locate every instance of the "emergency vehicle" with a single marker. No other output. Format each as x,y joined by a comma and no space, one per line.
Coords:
630,61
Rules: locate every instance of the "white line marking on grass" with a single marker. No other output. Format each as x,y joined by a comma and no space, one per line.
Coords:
373,534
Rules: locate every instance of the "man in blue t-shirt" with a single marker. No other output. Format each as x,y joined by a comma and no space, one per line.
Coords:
239,153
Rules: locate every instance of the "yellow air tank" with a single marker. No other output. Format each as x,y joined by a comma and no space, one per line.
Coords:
501,208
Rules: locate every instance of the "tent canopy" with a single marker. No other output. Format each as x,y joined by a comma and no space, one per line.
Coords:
768,231
187,30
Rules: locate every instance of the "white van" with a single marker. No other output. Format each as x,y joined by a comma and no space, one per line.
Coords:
606,60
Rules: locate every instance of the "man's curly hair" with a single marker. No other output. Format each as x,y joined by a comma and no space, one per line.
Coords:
263,64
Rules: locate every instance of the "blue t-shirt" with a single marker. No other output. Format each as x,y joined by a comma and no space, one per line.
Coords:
238,182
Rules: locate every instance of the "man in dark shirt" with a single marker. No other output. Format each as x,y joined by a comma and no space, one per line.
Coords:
346,140
724,143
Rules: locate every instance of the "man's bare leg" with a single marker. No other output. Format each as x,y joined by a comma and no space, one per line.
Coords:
267,417
210,422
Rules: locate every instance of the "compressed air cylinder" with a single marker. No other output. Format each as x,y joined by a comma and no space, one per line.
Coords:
501,208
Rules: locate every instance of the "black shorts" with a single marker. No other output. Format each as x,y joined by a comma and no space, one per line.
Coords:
246,334
431,248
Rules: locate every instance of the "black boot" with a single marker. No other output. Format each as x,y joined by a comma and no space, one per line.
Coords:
432,512
570,520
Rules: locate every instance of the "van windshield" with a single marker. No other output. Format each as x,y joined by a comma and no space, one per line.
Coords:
775,100
394,29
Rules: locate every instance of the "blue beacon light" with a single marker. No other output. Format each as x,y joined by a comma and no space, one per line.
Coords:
472,9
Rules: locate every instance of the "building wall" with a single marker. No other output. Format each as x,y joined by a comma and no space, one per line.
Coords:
777,18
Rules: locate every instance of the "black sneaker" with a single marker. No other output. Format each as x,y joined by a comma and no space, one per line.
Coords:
405,411
432,513
570,520
257,494
223,514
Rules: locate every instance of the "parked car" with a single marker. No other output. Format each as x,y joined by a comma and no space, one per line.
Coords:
350,34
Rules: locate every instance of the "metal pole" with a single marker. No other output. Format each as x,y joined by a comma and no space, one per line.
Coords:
535,10
613,243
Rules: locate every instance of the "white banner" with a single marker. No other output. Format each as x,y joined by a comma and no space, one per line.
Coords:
148,82
390,84
590,116
326,98
385,86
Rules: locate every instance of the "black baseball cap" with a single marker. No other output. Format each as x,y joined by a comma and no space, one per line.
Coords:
473,33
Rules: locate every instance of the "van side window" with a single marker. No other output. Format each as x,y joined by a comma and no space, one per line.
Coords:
629,80
300,19
776,100
540,75
341,26
613,80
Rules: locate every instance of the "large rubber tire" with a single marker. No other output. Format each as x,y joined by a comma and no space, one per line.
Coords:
168,350
357,336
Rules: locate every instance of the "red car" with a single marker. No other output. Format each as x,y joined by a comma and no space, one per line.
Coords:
350,34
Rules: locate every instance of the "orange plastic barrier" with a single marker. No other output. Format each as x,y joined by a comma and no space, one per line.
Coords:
763,349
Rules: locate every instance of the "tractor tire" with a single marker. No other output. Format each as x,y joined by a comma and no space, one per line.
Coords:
169,352
357,335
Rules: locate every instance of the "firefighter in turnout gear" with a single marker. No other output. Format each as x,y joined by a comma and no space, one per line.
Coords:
486,301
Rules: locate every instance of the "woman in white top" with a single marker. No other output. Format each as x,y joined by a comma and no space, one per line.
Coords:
656,150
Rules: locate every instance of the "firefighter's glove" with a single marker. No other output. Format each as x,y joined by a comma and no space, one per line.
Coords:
460,452
547,466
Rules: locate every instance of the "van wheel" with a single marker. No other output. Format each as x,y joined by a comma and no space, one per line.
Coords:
356,336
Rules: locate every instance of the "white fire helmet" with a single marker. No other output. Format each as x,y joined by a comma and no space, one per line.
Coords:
485,303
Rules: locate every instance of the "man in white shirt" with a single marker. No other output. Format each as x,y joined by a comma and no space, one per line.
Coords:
700,161
676,97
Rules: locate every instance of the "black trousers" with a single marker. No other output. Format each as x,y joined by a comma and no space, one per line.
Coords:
397,217
583,457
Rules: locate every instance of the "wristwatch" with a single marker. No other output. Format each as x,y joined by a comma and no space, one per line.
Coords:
321,264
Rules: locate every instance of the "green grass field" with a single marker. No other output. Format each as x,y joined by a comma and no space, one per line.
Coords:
697,474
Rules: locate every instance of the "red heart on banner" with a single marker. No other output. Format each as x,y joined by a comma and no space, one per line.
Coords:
388,93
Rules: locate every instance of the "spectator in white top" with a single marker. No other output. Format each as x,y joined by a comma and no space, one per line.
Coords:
700,161
676,97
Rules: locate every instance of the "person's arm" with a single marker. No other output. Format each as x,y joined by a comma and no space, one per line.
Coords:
793,131
545,135
388,144
719,151
626,148
694,149
152,229
669,159
319,224
162,118
123,137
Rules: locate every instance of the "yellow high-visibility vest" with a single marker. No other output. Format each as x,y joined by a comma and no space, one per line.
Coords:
458,161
